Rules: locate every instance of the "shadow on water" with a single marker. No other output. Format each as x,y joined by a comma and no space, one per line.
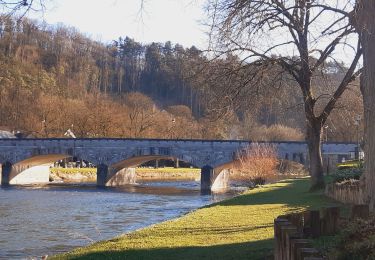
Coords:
91,187
173,188
249,250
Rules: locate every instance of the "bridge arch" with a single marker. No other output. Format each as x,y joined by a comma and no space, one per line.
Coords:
123,171
34,169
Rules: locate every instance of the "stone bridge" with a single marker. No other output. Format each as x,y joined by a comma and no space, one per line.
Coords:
23,159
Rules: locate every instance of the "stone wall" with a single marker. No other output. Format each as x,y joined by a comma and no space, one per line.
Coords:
349,192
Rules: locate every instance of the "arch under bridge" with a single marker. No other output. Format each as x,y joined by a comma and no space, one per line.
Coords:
22,160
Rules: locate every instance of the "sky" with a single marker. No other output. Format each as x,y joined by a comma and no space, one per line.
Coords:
178,21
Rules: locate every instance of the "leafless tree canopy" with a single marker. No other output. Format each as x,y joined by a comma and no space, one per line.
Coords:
21,7
299,36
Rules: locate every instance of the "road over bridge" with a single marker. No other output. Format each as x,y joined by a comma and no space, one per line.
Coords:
23,159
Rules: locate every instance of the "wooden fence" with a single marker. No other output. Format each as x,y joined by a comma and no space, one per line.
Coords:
293,232
348,192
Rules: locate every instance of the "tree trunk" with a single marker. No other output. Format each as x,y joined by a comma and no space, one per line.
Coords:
314,130
366,27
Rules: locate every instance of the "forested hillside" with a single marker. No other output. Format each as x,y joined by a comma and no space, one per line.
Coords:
53,78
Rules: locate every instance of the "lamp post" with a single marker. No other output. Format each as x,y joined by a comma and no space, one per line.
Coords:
44,130
326,135
171,129
357,120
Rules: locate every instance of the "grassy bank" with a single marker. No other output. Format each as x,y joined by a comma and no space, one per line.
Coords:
239,228
169,173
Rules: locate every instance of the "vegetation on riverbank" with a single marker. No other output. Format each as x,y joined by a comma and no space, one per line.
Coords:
239,228
72,170
168,173
73,174
89,174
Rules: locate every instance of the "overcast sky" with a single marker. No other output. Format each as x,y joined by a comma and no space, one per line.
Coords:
179,21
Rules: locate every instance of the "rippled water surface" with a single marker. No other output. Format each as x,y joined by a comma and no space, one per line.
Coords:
45,220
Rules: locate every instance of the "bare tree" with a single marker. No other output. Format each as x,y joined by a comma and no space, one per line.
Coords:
364,21
21,7
298,36
141,112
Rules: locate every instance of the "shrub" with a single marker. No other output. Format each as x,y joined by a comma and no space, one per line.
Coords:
345,175
357,241
287,167
257,163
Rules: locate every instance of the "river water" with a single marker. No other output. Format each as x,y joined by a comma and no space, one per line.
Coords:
51,219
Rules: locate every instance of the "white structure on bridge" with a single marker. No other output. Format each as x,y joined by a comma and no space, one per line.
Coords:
22,160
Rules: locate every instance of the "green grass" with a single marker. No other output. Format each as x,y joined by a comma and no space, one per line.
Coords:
140,170
168,170
350,164
73,170
239,228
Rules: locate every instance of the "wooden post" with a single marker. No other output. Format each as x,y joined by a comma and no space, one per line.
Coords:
330,221
315,223
303,253
307,224
295,244
297,219
285,231
289,238
278,223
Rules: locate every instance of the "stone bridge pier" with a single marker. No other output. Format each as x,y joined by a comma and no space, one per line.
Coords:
111,177
5,170
214,180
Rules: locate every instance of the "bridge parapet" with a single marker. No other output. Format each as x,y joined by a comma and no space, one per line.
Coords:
111,151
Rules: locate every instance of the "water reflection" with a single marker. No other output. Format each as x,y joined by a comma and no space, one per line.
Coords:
50,219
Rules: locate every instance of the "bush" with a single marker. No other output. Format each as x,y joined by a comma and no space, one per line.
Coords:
287,167
357,241
345,175
257,163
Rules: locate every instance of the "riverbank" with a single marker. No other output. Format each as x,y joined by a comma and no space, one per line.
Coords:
238,228
89,174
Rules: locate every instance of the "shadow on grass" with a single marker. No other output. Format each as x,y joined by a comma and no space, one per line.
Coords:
291,193
250,250
294,194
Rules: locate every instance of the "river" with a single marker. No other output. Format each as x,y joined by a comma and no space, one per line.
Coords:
51,219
